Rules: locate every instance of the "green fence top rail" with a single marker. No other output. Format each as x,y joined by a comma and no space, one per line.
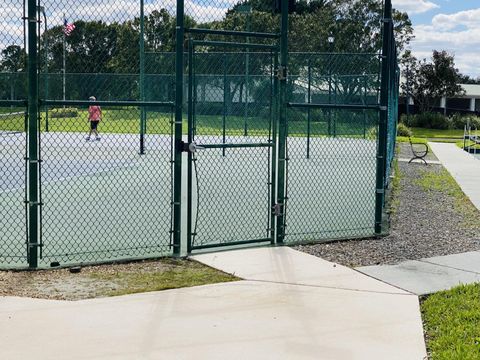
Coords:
13,102
334,106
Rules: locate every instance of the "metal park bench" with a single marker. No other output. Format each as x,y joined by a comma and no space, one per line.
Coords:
418,153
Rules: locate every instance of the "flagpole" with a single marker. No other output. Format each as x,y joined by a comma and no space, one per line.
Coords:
64,40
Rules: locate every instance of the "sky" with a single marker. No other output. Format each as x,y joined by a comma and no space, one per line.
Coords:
452,25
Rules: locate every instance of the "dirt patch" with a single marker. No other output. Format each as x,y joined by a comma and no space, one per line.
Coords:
109,280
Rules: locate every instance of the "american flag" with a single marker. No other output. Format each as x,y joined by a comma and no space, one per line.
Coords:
68,28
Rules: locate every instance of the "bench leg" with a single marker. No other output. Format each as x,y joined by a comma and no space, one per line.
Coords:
418,157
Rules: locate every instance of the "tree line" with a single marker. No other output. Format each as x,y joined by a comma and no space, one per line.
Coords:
98,47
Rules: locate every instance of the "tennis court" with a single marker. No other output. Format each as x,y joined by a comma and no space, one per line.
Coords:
102,200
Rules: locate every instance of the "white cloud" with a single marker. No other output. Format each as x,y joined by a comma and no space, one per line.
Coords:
414,6
468,18
457,33
105,10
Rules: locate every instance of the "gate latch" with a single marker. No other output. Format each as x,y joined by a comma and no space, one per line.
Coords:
281,72
277,209
191,147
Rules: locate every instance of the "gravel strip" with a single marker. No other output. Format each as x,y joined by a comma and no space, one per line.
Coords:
405,152
425,224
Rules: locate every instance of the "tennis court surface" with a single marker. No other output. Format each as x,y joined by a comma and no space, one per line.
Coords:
102,200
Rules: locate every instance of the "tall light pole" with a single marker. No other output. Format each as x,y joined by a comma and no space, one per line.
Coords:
41,9
331,41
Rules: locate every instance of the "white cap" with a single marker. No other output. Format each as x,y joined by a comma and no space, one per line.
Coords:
92,98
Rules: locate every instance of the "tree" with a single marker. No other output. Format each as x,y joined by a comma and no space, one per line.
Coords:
466,79
14,63
356,24
429,81
14,59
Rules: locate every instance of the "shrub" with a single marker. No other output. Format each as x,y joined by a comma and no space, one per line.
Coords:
403,130
474,121
460,121
432,121
410,121
64,113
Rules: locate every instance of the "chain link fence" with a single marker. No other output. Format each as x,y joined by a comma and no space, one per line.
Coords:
13,141
104,166
331,148
145,129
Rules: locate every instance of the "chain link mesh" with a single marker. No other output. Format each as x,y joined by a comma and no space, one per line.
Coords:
331,152
108,197
113,198
103,199
13,221
232,104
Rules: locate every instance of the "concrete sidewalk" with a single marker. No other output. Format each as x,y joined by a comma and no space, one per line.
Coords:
295,306
429,275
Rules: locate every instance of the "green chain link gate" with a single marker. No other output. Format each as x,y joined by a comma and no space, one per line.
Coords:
231,159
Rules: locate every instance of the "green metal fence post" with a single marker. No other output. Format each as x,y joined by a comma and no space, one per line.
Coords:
365,100
282,134
224,118
190,134
46,72
247,80
177,197
329,131
33,175
274,124
382,127
309,120
143,115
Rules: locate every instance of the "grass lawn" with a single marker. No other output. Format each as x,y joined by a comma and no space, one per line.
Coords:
437,134
421,135
110,279
176,274
414,139
442,181
127,121
452,323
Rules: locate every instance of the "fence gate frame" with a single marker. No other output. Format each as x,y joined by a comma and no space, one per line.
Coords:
191,145
278,160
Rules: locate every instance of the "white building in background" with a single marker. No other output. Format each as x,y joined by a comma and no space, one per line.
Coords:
470,101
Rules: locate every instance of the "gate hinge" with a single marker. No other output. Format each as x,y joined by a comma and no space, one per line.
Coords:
35,245
281,72
277,209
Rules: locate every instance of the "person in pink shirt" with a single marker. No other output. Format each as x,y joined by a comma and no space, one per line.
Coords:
94,117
